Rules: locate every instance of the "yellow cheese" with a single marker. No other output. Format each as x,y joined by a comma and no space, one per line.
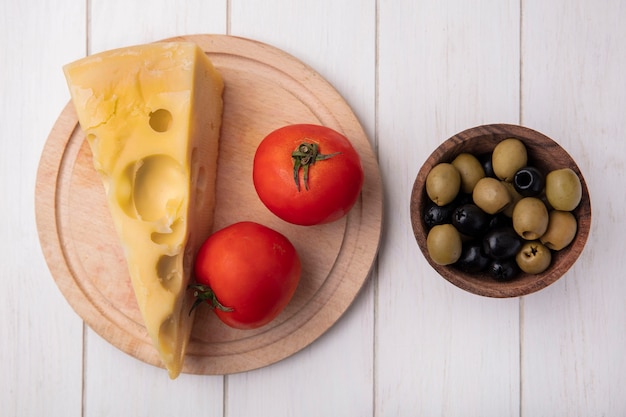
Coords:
152,115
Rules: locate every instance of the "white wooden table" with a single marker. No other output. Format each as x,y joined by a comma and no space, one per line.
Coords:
415,73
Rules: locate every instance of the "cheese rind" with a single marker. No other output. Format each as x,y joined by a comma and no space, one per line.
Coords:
152,116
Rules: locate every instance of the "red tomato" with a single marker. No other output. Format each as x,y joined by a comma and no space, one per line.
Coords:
307,174
248,273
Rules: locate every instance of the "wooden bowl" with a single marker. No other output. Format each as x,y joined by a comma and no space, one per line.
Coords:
543,153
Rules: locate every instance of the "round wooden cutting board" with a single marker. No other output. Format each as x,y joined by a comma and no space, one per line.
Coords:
265,88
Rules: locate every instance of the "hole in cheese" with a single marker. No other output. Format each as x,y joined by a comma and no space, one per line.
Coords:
160,120
170,238
124,190
159,189
169,272
167,336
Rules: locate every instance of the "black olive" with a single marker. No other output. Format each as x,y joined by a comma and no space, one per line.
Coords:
501,243
472,258
470,220
500,220
462,198
434,214
529,181
503,270
485,161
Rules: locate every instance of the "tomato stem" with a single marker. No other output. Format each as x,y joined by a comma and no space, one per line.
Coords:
205,293
305,155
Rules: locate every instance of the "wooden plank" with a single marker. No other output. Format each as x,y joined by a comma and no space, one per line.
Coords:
334,375
443,68
135,388
334,38
140,387
574,90
113,24
40,336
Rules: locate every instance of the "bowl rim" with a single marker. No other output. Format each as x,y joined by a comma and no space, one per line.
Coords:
526,283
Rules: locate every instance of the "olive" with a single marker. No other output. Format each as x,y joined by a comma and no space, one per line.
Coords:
491,195
508,157
443,183
500,220
462,198
529,181
470,169
444,244
434,214
515,197
533,258
470,220
485,161
501,243
530,218
561,230
503,270
563,189
472,259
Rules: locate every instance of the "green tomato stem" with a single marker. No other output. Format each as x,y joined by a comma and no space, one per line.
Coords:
205,293
305,155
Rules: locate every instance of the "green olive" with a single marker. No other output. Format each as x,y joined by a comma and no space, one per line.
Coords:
533,258
530,218
508,157
561,230
515,197
491,195
471,171
563,189
443,183
444,244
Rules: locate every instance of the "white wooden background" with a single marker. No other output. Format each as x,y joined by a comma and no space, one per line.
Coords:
415,72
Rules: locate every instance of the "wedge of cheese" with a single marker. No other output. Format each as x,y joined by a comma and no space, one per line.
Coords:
152,115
